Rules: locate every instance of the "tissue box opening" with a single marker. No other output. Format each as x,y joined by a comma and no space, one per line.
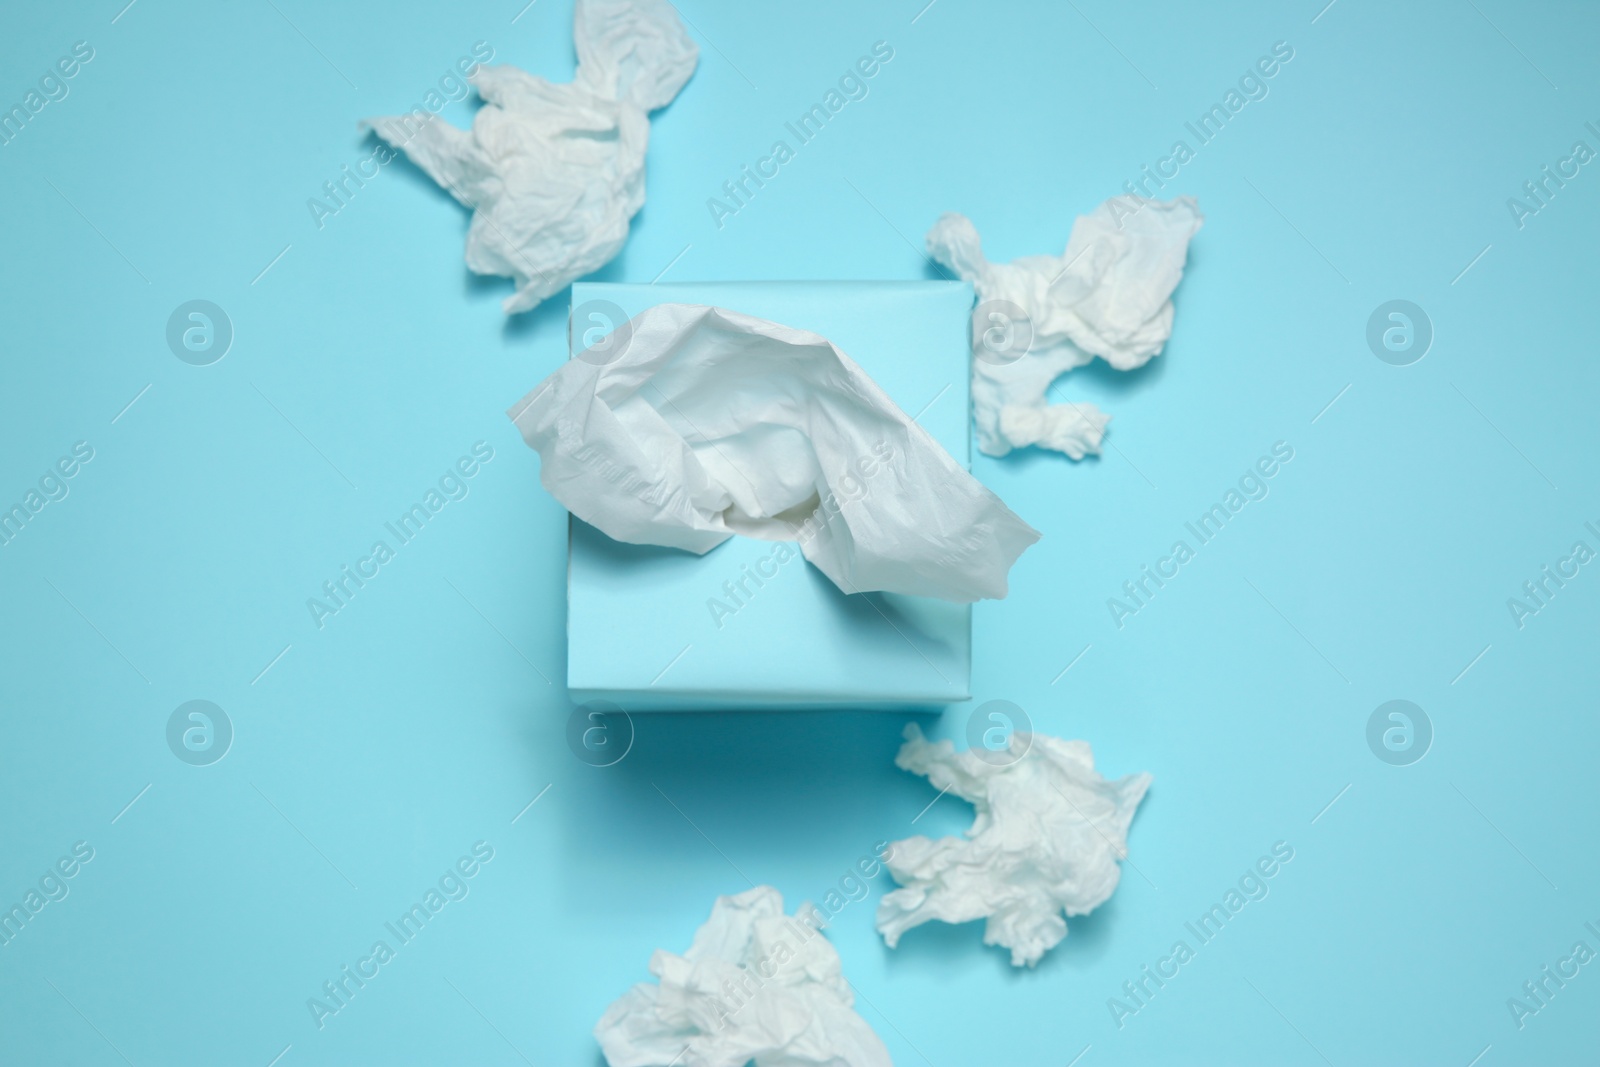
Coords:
751,625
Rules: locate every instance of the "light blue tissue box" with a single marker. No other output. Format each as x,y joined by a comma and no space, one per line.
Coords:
657,629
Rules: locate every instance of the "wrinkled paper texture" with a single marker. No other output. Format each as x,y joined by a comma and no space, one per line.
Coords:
1107,295
698,423
554,173
1046,839
754,985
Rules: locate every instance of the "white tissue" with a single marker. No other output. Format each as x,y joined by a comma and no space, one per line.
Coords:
1107,295
754,985
553,172
699,423
1047,837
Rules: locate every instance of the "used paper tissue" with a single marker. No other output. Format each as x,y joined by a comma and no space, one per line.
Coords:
1047,836
1107,295
689,424
554,173
754,985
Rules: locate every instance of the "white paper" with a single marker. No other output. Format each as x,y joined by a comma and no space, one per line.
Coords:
1107,295
754,985
554,172
1047,836
699,423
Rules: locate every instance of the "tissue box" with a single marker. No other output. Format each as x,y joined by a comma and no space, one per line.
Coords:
748,626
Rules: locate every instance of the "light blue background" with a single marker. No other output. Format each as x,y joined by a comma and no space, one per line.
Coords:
427,714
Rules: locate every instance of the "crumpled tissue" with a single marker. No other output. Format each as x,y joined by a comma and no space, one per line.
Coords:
1107,295
754,985
690,424
552,172
1047,836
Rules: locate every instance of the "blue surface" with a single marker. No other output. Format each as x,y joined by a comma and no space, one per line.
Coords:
427,713
642,628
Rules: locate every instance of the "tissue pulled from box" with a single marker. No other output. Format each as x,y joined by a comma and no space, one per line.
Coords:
554,172
1107,295
754,985
1047,836
690,424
